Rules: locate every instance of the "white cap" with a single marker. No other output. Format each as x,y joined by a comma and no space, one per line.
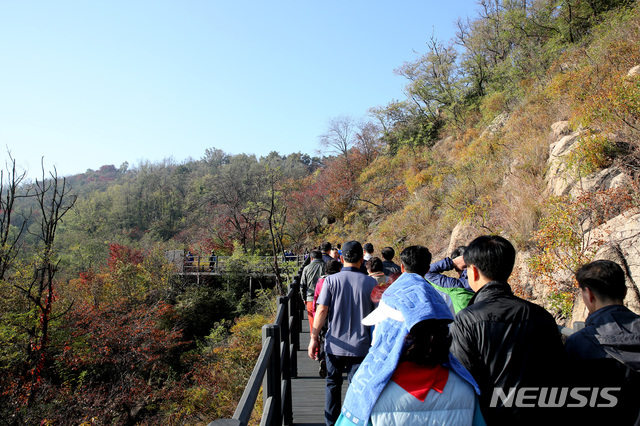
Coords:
382,312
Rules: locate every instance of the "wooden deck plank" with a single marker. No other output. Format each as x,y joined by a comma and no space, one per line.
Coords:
308,388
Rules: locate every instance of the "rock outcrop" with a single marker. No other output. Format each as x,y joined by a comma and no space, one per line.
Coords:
559,181
496,125
618,240
461,235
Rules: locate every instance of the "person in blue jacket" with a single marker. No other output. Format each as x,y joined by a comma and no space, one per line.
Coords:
457,288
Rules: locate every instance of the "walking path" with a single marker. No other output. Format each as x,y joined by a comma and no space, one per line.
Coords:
308,389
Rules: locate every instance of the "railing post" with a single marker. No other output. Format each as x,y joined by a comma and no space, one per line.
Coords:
294,333
302,304
287,406
296,313
271,386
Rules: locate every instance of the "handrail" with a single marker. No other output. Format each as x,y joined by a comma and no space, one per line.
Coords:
196,264
275,367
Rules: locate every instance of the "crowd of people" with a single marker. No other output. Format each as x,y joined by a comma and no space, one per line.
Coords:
420,347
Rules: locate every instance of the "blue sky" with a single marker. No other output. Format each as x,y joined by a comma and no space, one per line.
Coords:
88,83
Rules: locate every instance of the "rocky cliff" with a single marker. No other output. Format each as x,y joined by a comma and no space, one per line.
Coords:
617,239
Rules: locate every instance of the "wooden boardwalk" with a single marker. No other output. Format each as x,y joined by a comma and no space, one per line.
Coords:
308,389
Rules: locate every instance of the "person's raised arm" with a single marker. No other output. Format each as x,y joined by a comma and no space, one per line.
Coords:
441,266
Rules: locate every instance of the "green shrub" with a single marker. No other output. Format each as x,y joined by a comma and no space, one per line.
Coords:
593,152
561,302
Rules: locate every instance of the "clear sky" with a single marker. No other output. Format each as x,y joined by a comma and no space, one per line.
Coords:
86,83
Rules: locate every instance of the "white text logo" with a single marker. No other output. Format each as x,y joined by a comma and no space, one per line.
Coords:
554,397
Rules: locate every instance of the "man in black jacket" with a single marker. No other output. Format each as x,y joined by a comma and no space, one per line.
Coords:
325,248
389,267
510,346
606,353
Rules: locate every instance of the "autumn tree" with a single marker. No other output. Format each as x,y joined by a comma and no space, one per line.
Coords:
368,141
236,185
307,208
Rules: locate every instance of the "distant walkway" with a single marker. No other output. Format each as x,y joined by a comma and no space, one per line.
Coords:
308,388
220,265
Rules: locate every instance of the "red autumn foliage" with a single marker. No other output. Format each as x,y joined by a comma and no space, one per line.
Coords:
122,254
117,361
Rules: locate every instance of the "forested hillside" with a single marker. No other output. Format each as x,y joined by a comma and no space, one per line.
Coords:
94,327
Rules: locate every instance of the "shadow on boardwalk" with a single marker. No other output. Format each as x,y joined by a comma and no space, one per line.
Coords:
308,388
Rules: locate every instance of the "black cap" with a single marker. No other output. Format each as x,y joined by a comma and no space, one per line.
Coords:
352,249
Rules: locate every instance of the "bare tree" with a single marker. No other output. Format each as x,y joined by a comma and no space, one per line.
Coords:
53,201
275,210
340,135
10,236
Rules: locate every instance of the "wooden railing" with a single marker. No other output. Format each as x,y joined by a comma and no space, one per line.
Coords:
275,367
220,265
